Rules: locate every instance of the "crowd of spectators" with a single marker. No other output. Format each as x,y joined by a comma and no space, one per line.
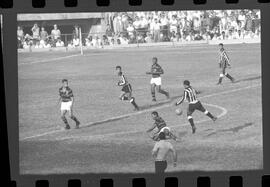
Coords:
158,26
41,39
154,26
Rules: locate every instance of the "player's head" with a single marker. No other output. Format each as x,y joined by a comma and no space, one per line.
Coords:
220,45
118,69
166,131
186,83
65,82
162,136
154,60
154,114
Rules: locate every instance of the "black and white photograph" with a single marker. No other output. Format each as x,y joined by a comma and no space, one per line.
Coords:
139,92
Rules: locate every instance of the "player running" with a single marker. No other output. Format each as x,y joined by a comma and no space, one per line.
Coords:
155,82
126,92
194,104
160,124
224,62
67,101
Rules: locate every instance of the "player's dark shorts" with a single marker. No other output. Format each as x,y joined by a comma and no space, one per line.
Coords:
160,166
223,67
127,88
195,106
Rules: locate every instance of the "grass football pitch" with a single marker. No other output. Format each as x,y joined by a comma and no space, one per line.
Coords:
112,136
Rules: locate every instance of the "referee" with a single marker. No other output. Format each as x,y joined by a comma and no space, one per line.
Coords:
160,152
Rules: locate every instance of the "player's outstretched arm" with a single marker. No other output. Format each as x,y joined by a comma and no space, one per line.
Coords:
152,128
180,101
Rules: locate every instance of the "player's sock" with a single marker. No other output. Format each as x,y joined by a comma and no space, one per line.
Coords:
153,96
132,101
209,114
163,92
190,119
75,119
229,77
124,98
220,78
65,121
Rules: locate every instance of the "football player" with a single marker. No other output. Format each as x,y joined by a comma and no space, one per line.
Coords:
194,104
160,124
156,71
67,101
126,91
224,63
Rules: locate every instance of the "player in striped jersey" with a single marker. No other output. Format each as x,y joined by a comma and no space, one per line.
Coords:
194,104
126,92
67,101
160,124
224,62
156,71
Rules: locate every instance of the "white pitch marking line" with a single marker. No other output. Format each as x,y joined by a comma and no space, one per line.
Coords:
99,54
137,113
223,113
48,60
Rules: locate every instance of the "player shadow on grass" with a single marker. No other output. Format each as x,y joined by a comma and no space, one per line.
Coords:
248,79
233,129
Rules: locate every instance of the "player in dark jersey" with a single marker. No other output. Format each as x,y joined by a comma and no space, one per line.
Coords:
156,71
67,100
224,63
126,92
160,124
194,104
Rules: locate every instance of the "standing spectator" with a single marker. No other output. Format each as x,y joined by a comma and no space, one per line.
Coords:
125,21
160,152
196,25
76,33
136,24
186,28
118,25
109,31
164,24
248,24
20,37
143,26
130,31
241,19
173,24
155,29
55,35
43,37
35,34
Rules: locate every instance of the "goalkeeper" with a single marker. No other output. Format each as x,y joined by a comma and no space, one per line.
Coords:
126,92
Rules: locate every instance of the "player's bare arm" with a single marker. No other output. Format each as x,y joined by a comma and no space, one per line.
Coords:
152,128
174,156
155,151
180,101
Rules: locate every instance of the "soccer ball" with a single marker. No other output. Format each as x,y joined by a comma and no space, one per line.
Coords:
178,112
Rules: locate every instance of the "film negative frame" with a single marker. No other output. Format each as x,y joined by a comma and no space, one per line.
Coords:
9,12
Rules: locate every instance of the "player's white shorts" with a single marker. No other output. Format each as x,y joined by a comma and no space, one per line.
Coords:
66,105
156,81
164,128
